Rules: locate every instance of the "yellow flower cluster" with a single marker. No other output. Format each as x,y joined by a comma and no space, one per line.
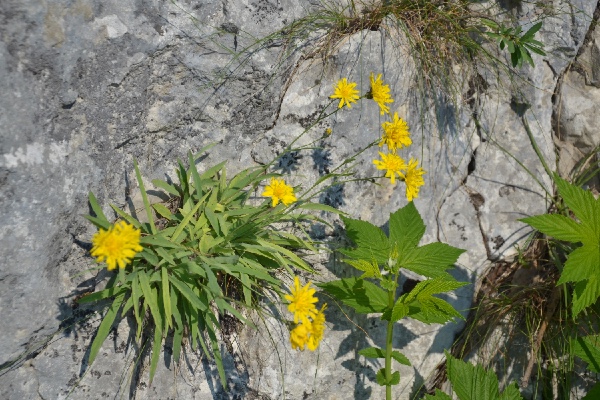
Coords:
310,322
395,134
116,246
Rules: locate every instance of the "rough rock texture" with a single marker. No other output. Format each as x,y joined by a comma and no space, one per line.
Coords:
90,85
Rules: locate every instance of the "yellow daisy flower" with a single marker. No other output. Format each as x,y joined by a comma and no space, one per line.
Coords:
380,93
279,191
393,163
395,134
302,301
317,329
345,92
413,179
299,336
116,246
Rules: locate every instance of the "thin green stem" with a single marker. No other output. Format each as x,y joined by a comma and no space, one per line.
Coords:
389,347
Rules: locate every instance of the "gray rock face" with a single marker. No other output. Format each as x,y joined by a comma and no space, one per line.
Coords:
89,85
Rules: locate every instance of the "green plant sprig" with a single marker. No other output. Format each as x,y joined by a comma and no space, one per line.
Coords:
381,258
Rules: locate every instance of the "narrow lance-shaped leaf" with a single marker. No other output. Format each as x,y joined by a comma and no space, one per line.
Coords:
105,326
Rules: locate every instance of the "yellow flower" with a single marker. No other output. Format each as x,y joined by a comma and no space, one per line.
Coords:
118,245
345,92
396,134
380,93
393,164
299,336
413,179
328,131
302,301
317,329
279,191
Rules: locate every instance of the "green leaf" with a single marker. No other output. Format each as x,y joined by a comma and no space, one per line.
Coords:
188,293
363,296
531,32
370,269
163,211
381,379
188,217
399,311
320,207
150,297
103,294
156,345
583,263
511,392
471,382
144,197
588,349
586,293
557,226
166,295
406,228
594,393
159,241
371,242
439,395
583,204
100,217
166,187
372,352
105,326
431,260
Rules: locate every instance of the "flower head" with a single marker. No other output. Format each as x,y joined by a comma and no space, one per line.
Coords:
345,92
299,336
393,163
302,301
380,93
279,191
395,134
413,179
317,329
118,245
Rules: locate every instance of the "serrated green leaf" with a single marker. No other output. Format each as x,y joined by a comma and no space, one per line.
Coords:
406,228
471,382
372,352
371,242
381,379
399,311
586,293
583,263
588,349
363,296
431,260
511,392
558,226
583,204
370,269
